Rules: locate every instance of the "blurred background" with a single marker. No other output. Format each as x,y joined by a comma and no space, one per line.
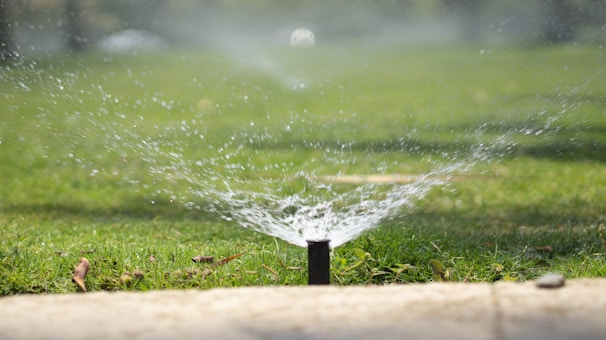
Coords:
48,26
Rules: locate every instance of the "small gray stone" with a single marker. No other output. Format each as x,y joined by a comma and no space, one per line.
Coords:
551,280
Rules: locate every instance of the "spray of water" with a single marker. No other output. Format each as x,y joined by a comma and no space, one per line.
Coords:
339,218
318,208
299,206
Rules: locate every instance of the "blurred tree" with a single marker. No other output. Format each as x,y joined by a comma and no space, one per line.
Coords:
596,12
134,14
469,14
74,26
565,20
560,20
7,45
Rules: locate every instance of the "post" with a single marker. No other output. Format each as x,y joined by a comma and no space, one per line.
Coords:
318,262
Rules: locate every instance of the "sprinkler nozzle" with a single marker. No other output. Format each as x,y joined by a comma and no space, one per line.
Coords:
318,262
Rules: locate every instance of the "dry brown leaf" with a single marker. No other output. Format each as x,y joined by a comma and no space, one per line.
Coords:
80,273
203,259
193,272
547,249
125,278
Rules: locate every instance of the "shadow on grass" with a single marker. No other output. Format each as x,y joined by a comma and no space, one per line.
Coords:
140,209
581,143
516,229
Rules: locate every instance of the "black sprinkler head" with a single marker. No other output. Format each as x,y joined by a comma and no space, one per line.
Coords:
318,262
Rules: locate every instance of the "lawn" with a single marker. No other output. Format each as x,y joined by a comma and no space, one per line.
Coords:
108,157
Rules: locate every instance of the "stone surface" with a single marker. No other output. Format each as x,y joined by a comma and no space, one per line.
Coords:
551,281
417,311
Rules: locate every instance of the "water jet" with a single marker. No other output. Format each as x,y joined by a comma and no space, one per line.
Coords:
318,262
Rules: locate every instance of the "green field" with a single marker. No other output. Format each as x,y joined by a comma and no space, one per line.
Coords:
99,157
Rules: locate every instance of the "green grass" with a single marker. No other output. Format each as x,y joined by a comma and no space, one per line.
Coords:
70,188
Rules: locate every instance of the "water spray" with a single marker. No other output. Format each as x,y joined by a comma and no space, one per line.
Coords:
318,262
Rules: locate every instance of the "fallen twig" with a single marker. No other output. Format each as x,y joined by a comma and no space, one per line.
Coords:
266,267
275,273
227,259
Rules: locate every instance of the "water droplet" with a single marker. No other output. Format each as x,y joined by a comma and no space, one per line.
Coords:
24,87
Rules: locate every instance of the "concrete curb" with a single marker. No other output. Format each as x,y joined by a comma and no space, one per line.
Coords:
417,311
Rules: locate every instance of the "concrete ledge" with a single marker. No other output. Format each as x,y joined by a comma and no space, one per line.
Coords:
417,311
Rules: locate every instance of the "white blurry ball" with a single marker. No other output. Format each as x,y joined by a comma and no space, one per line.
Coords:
301,38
